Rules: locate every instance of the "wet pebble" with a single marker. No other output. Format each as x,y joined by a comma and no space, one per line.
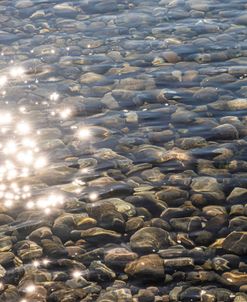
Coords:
149,239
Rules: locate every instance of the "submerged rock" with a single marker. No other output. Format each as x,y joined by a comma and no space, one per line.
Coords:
236,242
149,266
149,239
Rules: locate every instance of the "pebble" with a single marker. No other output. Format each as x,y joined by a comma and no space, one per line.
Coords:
154,189
149,266
149,239
119,257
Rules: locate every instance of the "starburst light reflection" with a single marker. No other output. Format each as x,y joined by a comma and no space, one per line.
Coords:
84,133
6,118
19,159
23,128
17,72
54,96
65,113
3,81
76,274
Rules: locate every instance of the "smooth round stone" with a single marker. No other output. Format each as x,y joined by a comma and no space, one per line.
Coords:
237,104
37,15
5,219
205,184
10,293
98,235
40,233
54,175
53,248
119,257
106,215
24,4
91,77
149,266
123,294
122,206
6,258
225,132
170,56
84,223
242,19
186,224
149,239
238,223
136,84
77,282
153,175
145,295
237,70
2,271
65,10
68,294
206,95
213,211
190,294
133,224
240,297
172,196
191,142
178,263
173,252
28,250
182,116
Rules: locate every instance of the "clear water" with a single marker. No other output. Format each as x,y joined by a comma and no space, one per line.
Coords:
123,172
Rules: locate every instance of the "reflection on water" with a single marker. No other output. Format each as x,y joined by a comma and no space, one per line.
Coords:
123,172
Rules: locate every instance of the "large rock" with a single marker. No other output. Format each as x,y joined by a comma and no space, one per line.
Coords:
119,257
149,266
106,215
236,243
149,239
237,104
172,196
238,195
208,186
224,132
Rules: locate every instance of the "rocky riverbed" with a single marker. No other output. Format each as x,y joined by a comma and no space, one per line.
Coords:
123,167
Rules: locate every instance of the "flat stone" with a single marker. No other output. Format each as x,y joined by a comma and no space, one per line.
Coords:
65,10
237,104
149,266
235,278
119,257
100,235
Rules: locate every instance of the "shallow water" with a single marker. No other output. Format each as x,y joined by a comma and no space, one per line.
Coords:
123,172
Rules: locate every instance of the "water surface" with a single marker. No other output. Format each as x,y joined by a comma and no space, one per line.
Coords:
123,172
